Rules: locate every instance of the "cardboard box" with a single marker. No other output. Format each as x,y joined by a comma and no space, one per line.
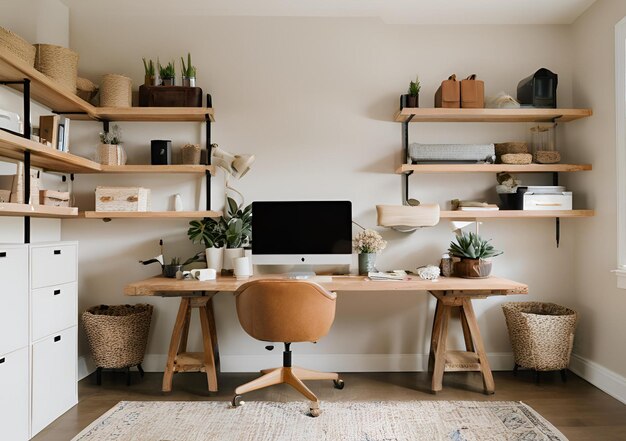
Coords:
472,93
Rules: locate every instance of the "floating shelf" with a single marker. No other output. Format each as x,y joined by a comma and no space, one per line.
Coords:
155,114
148,214
418,114
492,168
515,214
47,158
156,169
46,211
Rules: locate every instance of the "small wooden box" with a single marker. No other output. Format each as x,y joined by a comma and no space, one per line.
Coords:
170,96
122,199
54,198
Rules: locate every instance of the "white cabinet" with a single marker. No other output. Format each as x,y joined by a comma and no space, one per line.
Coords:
14,395
54,377
53,308
52,264
13,297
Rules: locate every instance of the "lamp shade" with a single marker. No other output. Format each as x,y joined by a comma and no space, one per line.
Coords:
234,165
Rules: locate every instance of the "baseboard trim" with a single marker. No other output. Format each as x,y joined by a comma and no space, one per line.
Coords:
85,367
601,377
500,361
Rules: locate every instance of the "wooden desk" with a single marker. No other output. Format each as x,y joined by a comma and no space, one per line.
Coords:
450,292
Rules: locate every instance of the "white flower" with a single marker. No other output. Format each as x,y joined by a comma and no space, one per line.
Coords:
368,241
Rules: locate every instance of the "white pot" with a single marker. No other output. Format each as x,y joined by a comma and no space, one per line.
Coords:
229,255
215,258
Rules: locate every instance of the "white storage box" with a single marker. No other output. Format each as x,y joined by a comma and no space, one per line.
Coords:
122,199
548,201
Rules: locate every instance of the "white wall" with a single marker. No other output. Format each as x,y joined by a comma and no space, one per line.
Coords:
599,340
314,100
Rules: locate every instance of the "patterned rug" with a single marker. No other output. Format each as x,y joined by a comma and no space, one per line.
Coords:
340,421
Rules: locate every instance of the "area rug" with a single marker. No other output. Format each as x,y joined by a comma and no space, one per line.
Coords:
339,421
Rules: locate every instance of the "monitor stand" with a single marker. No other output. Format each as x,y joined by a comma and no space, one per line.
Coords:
301,272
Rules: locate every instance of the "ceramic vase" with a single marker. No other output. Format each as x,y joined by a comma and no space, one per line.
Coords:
215,258
229,255
367,262
472,268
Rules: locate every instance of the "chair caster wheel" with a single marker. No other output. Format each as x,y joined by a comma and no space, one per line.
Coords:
236,402
339,384
315,412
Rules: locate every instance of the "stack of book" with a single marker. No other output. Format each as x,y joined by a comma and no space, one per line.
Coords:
390,275
54,131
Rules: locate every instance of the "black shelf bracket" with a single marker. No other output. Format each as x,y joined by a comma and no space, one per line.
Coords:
405,159
208,148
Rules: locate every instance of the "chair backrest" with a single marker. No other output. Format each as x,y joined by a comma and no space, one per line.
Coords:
279,310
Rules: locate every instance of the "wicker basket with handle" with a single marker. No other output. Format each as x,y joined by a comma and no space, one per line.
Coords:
59,64
117,334
17,46
542,334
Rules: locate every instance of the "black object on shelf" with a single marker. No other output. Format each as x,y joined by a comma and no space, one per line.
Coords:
539,89
170,96
161,151
513,201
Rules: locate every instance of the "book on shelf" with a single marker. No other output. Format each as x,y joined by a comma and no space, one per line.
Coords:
54,131
489,207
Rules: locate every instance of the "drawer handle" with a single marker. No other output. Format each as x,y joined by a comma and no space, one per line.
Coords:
2,360
3,254
57,251
57,338
57,292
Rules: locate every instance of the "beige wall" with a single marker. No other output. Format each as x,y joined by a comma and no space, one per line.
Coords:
601,330
314,100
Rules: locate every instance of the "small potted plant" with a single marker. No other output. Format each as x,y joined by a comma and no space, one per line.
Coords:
150,73
237,224
212,234
167,74
189,72
413,99
367,244
170,270
475,255
110,150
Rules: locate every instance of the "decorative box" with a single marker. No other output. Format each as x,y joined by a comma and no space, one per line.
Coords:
449,93
54,198
472,93
122,199
170,96
550,201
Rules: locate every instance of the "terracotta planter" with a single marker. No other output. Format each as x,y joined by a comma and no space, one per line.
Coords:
472,268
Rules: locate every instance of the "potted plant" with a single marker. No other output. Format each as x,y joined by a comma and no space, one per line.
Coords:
150,73
110,150
167,74
211,233
367,244
413,99
237,224
474,253
189,72
170,270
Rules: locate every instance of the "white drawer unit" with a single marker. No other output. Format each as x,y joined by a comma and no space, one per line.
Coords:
13,297
53,308
54,387
52,264
14,403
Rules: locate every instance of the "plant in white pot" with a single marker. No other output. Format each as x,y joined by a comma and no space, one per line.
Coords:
475,255
211,233
367,244
237,224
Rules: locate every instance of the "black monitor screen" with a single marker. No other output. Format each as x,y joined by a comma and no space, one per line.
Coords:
302,227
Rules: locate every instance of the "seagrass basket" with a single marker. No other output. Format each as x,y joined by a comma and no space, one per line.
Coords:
116,91
59,64
117,334
17,46
542,334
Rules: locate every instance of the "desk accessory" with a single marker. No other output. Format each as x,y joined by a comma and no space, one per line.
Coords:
474,255
242,268
172,268
397,275
161,151
429,272
204,274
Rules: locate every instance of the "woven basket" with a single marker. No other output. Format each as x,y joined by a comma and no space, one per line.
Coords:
118,334
59,64
190,154
17,46
85,89
516,158
542,334
116,91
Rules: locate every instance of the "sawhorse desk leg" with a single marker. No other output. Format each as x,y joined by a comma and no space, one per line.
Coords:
474,358
178,359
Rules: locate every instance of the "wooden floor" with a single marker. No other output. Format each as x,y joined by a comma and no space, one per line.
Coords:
578,409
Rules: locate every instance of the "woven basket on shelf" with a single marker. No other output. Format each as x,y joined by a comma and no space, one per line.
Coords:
85,89
59,64
17,46
542,334
116,91
117,334
190,154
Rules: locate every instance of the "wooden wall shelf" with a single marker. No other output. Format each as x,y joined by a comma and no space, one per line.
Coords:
492,168
515,214
170,169
148,214
417,114
155,114
45,211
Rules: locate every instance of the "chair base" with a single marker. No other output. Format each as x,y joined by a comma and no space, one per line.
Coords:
293,376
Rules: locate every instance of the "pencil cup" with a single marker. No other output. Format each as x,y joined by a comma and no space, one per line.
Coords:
242,268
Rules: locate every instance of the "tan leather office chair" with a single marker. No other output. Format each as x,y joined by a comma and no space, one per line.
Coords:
288,311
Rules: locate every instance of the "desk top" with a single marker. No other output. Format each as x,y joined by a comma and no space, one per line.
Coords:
161,286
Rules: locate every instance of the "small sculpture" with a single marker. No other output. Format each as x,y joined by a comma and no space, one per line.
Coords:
428,272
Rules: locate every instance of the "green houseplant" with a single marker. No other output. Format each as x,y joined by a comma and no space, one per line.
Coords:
167,73
475,254
413,99
237,224
211,233
189,72
150,73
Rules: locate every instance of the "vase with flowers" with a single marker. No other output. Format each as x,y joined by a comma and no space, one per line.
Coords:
367,244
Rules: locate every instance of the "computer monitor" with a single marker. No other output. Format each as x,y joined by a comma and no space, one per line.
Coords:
302,233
